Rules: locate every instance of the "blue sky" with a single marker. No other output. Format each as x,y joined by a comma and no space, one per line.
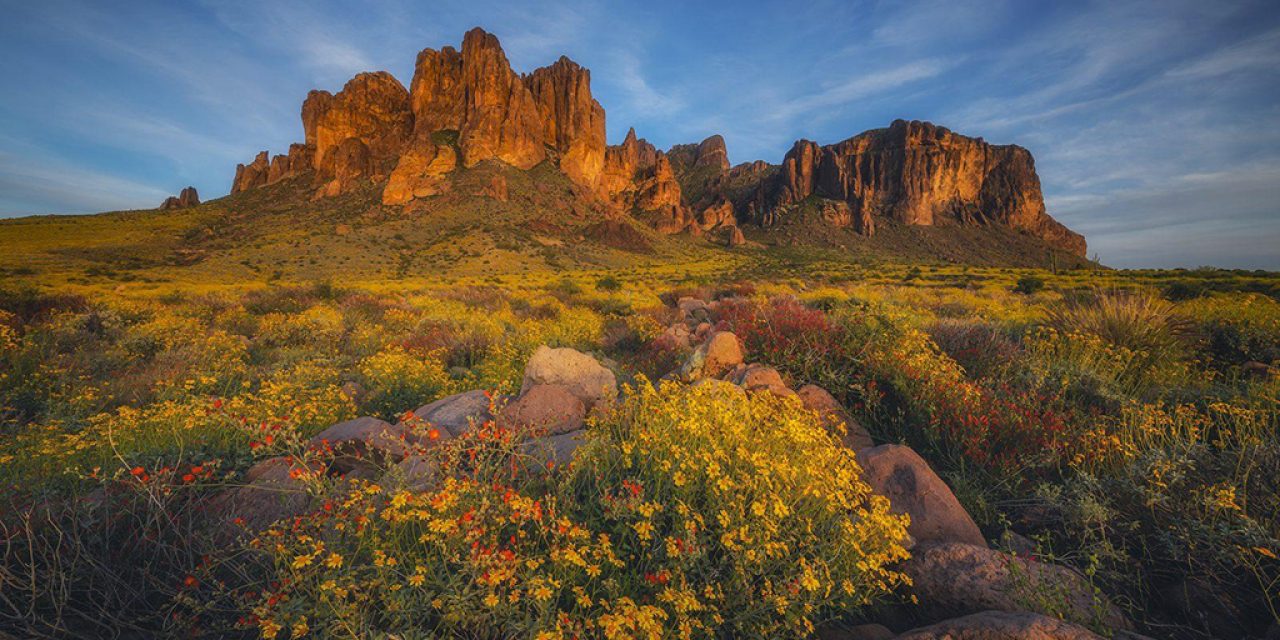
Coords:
1155,125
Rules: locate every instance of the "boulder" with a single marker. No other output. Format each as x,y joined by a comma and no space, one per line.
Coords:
418,472
580,373
899,474
759,378
558,449
1001,625
816,399
458,413
954,578
713,358
545,408
274,489
364,441
735,237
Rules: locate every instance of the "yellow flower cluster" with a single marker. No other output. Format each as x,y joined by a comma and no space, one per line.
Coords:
690,512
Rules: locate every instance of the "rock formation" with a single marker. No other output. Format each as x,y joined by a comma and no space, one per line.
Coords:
185,198
708,153
360,131
918,174
252,175
573,122
468,106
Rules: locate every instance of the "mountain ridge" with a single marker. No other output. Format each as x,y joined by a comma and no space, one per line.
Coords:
468,106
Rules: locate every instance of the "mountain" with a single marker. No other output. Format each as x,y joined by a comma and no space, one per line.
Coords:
467,108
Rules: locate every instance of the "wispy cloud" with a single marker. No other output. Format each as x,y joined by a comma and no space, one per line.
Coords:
29,185
832,95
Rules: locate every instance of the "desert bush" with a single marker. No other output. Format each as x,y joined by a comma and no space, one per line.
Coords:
982,348
397,381
1139,322
665,523
113,562
1180,508
1028,285
608,283
1237,327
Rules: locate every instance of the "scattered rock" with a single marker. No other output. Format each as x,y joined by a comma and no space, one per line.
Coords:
419,472
678,334
1001,625
899,474
353,391
954,578
545,408
757,378
364,441
713,358
580,373
701,332
833,415
559,448
457,413
274,489
692,310
495,188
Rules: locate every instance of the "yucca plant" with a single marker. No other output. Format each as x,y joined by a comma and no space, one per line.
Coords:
1145,326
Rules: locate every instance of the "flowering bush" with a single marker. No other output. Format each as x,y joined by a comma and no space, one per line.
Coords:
690,512
398,381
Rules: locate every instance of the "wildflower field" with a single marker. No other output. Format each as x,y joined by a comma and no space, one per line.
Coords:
1123,424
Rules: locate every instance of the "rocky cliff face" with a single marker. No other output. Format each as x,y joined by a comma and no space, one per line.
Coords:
468,106
918,174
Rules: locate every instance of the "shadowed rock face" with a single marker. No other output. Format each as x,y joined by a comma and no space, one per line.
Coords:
468,106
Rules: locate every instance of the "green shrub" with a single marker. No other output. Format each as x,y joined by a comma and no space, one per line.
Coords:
608,283
1028,285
